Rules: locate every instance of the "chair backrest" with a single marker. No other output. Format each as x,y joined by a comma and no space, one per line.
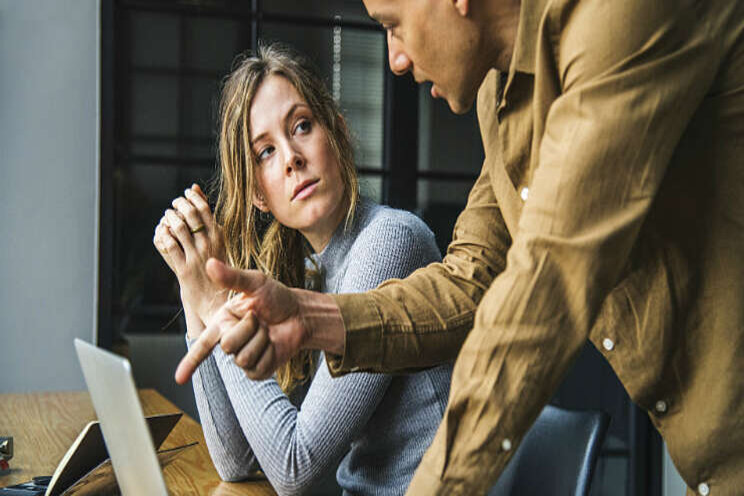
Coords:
557,456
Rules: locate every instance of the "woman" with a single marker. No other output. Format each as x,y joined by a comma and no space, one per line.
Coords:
286,154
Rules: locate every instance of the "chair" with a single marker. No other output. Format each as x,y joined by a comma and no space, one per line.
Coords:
557,456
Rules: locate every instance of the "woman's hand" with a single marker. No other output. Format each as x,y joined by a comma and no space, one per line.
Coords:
186,237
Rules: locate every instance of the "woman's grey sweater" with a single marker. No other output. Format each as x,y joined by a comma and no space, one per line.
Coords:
378,425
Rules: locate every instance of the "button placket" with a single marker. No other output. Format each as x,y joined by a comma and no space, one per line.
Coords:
506,444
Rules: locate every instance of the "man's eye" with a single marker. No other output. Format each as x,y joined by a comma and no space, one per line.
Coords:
265,153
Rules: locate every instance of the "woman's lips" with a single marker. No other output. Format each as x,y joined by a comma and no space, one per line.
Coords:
306,191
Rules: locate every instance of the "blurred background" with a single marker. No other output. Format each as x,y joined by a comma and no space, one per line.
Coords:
108,111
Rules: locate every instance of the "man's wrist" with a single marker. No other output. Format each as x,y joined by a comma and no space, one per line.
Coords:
322,322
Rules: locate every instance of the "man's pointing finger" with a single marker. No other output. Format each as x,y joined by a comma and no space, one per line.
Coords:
245,281
198,352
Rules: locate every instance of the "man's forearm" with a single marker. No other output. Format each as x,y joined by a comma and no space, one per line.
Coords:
322,321
422,320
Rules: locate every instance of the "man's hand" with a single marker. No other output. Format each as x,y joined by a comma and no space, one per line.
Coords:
265,325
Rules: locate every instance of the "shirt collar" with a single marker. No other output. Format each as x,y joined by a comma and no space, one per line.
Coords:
525,45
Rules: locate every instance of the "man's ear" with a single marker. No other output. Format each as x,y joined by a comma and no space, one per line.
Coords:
260,202
462,7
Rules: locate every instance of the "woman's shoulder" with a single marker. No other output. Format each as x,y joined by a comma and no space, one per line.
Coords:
383,220
384,231
385,243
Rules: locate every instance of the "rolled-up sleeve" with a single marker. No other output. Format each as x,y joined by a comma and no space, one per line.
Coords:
630,77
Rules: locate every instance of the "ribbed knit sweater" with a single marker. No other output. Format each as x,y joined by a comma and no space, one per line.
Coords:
378,425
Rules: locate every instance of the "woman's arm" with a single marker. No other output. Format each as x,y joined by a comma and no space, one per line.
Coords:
296,446
230,452
185,251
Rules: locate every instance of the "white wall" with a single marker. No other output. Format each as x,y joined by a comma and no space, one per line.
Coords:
673,483
49,55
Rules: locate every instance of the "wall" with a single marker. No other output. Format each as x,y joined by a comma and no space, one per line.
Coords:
673,485
48,185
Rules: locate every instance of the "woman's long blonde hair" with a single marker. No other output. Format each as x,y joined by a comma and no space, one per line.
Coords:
269,246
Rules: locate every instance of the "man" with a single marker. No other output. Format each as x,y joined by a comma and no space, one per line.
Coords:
609,206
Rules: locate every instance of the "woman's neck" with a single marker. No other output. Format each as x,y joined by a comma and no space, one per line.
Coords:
320,234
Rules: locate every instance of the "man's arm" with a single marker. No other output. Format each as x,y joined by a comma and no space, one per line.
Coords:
438,301
423,319
632,74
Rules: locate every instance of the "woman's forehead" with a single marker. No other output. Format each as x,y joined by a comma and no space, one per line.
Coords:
274,98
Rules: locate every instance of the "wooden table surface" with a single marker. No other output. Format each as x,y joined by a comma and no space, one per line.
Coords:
43,425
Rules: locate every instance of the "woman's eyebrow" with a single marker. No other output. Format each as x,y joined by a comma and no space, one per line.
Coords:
287,116
258,138
293,109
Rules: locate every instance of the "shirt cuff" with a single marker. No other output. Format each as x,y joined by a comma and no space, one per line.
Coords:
363,343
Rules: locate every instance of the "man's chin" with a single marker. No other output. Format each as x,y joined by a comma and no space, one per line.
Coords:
460,106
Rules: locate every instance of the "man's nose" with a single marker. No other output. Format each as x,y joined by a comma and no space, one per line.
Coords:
399,61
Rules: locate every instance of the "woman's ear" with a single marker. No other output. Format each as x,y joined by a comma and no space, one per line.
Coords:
260,202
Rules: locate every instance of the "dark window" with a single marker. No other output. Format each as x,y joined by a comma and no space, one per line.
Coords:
169,61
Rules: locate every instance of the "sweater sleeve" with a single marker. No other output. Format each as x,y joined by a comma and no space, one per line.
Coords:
296,446
230,452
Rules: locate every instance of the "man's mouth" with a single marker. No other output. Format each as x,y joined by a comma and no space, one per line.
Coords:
304,189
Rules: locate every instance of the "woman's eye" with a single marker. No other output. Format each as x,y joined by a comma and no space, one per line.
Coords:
265,153
303,127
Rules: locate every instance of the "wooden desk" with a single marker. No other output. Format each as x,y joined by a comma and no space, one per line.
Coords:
43,426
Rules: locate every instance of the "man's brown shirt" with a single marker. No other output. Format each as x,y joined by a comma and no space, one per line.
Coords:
611,207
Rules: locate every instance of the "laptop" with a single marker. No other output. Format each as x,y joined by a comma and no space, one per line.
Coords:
111,386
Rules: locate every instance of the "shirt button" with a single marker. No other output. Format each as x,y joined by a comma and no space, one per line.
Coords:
703,489
661,406
506,445
608,344
525,193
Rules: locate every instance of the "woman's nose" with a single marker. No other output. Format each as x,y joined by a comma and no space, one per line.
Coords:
294,162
